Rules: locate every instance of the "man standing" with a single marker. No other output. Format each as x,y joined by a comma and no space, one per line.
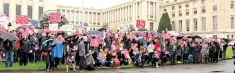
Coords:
82,54
9,52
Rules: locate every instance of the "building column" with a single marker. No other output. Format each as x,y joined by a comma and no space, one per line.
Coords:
24,7
12,10
143,14
35,9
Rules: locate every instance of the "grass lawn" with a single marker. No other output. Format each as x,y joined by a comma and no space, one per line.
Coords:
41,65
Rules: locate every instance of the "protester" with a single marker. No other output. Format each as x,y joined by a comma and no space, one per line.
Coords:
8,52
113,49
24,50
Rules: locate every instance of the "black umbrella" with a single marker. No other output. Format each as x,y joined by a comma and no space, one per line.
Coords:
179,37
197,37
9,36
226,40
142,29
102,29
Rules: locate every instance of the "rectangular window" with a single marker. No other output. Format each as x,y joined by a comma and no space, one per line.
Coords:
232,22
187,5
203,9
180,25
232,5
179,7
173,7
195,11
40,11
41,0
215,24
187,25
30,12
173,25
204,23
195,24
58,10
173,14
6,9
151,26
180,13
18,9
187,12
215,8
203,2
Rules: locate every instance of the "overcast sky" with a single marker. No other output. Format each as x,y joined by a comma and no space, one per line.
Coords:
98,4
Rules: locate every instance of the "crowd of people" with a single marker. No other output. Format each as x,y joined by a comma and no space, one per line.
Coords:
111,49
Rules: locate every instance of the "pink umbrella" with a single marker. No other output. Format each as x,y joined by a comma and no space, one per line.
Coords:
3,30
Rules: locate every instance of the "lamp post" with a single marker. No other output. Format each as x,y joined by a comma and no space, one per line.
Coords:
9,25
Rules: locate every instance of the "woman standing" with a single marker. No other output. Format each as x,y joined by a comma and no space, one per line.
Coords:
46,52
204,52
179,53
212,52
57,51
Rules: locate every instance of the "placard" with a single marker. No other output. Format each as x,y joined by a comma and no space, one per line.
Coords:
55,17
140,23
22,19
53,26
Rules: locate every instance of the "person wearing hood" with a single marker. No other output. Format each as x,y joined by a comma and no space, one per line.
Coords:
57,51
9,52
90,62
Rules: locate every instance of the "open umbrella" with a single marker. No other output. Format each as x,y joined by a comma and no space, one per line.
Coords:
66,28
197,37
93,32
9,36
142,29
102,29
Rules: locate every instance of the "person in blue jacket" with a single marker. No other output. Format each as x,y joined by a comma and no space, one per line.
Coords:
57,50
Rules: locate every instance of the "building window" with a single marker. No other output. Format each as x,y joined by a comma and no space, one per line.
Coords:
203,1
151,10
215,24
6,9
180,13
40,11
187,25
187,12
173,25
40,0
203,9
151,26
232,5
232,22
179,7
58,10
227,36
215,8
195,11
173,7
195,24
173,14
186,5
180,25
18,9
30,12
204,23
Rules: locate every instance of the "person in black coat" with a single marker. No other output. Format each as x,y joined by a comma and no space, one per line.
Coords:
24,50
9,52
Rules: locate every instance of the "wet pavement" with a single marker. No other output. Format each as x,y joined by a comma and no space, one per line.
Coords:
225,66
